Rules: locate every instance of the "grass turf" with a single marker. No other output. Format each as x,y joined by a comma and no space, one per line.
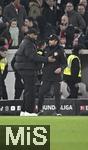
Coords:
66,133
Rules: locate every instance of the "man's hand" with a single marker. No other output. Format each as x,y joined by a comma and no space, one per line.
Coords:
51,59
57,71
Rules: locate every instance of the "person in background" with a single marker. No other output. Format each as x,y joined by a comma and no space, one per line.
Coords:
65,32
35,8
85,3
3,69
72,73
15,10
28,24
1,15
75,18
52,73
14,32
82,11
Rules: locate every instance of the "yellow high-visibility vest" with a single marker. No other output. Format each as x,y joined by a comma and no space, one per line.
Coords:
67,70
3,63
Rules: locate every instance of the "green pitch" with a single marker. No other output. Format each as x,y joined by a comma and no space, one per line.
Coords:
66,133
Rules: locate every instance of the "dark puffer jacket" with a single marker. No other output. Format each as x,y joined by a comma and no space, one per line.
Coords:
26,57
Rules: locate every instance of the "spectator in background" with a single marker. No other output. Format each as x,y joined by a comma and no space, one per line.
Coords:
75,18
85,3
65,32
1,15
62,30
82,11
3,69
14,10
49,19
50,12
4,32
35,8
14,31
28,24
3,3
72,73
35,11
25,3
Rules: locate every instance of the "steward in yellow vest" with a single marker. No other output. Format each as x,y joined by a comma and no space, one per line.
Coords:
72,73
3,71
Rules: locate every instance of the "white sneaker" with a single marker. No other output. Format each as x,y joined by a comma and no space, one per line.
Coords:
30,114
22,113
59,114
27,114
33,114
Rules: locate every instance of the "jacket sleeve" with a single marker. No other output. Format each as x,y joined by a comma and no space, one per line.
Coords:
6,14
63,59
81,22
31,53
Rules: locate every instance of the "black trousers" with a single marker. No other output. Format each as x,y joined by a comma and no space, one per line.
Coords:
44,89
73,90
3,91
19,86
29,93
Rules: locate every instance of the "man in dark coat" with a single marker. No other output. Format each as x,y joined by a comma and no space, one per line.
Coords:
26,58
52,72
14,10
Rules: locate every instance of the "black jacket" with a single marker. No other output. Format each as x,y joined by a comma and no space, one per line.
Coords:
49,68
27,58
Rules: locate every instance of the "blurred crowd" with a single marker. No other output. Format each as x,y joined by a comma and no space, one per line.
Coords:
65,18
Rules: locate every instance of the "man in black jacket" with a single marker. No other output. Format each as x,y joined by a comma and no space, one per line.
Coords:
26,58
52,72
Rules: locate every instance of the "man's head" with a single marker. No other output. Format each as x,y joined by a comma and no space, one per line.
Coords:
32,33
53,40
64,23
29,22
69,7
81,9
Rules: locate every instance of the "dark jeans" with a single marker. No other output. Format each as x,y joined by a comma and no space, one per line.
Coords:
44,89
29,93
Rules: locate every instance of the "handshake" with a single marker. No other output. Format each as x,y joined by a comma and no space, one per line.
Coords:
51,59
